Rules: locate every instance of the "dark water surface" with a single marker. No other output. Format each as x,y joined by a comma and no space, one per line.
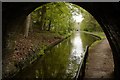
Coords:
60,62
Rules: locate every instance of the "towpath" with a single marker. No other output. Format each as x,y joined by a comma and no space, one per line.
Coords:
100,61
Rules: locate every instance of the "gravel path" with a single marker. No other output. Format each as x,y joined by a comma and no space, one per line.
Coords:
100,61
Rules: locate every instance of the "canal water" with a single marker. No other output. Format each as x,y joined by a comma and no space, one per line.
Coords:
61,61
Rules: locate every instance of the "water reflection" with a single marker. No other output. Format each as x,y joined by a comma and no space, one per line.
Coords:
77,48
76,52
61,61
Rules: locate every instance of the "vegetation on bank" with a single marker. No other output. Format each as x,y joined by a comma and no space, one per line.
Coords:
24,51
99,34
45,26
89,23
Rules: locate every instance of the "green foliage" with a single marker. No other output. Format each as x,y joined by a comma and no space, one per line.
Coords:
57,17
89,23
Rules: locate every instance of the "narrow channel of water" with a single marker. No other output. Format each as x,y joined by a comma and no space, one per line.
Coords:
61,61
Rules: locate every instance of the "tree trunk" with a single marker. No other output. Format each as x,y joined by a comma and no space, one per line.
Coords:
44,24
28,22
49,26
43,11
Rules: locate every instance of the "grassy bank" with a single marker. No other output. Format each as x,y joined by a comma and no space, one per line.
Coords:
99,34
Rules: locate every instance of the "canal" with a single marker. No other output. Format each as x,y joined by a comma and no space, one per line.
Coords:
61,61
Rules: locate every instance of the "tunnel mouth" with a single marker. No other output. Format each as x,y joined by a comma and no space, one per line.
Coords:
27,38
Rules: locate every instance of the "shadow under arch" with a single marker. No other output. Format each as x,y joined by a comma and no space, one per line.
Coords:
107,15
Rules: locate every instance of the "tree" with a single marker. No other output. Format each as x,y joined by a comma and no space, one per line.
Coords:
55,17
89,23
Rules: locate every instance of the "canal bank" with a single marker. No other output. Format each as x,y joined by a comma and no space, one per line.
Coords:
100,35
24,51
78,41
100,63
60,61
